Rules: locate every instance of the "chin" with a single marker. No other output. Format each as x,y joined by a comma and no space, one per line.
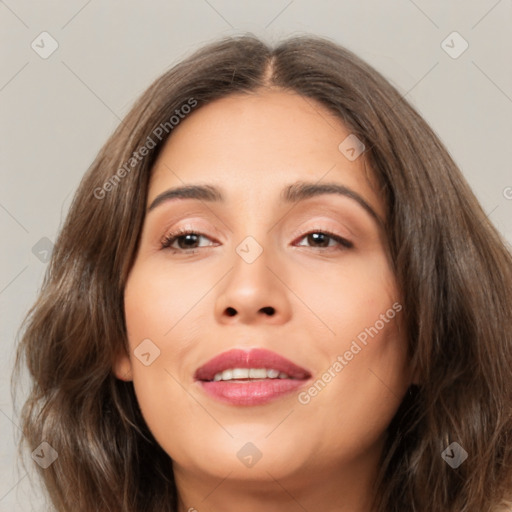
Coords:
244,458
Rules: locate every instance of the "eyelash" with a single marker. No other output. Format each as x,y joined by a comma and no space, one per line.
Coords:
172,237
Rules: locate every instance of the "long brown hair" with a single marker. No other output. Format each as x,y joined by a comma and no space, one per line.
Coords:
452,267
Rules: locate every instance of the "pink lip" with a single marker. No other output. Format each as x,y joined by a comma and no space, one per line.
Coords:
250,392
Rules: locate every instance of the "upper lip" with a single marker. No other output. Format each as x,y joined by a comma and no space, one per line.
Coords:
254,358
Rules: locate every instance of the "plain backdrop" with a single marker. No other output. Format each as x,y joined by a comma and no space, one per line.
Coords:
57,109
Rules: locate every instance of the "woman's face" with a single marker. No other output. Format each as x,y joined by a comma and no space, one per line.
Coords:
259,271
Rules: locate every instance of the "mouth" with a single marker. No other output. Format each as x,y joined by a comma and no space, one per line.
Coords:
252,377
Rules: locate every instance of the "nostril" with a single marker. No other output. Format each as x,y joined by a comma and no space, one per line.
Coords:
269,310
231,311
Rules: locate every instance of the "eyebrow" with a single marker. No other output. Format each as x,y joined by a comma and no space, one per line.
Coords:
293,193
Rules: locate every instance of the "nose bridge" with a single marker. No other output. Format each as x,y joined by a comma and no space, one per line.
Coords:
251,290
251,275
255,249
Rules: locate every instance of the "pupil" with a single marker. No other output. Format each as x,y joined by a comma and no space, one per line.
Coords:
319,238
189,238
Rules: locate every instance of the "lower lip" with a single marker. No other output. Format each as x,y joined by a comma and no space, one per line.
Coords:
256,392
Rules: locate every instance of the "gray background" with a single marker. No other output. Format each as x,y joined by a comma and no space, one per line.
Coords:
57,112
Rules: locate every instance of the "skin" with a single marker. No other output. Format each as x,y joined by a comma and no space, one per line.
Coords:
319,456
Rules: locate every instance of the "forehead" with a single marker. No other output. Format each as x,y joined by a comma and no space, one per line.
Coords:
254,144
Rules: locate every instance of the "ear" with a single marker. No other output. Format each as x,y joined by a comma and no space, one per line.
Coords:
122,366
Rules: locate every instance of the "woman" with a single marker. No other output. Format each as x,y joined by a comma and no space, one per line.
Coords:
274,288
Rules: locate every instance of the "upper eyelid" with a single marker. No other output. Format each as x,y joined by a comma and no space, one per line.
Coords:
179,232
309,212
187,225
187,230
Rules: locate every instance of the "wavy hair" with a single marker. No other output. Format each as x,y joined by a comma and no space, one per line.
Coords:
453,269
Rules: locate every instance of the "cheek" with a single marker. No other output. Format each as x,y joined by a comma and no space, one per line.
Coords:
349,298
162,302
364,381
163,325
362,359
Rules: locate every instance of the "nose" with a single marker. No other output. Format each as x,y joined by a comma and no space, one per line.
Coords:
253,292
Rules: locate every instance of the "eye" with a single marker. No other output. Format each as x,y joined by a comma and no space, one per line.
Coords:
185,240
322,240
188,241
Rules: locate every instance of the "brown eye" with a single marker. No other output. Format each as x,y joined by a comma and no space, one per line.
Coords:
187,241
183,241
323,239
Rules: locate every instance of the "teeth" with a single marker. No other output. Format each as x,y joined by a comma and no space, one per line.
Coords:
249,373
258,373
227,374
238,373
